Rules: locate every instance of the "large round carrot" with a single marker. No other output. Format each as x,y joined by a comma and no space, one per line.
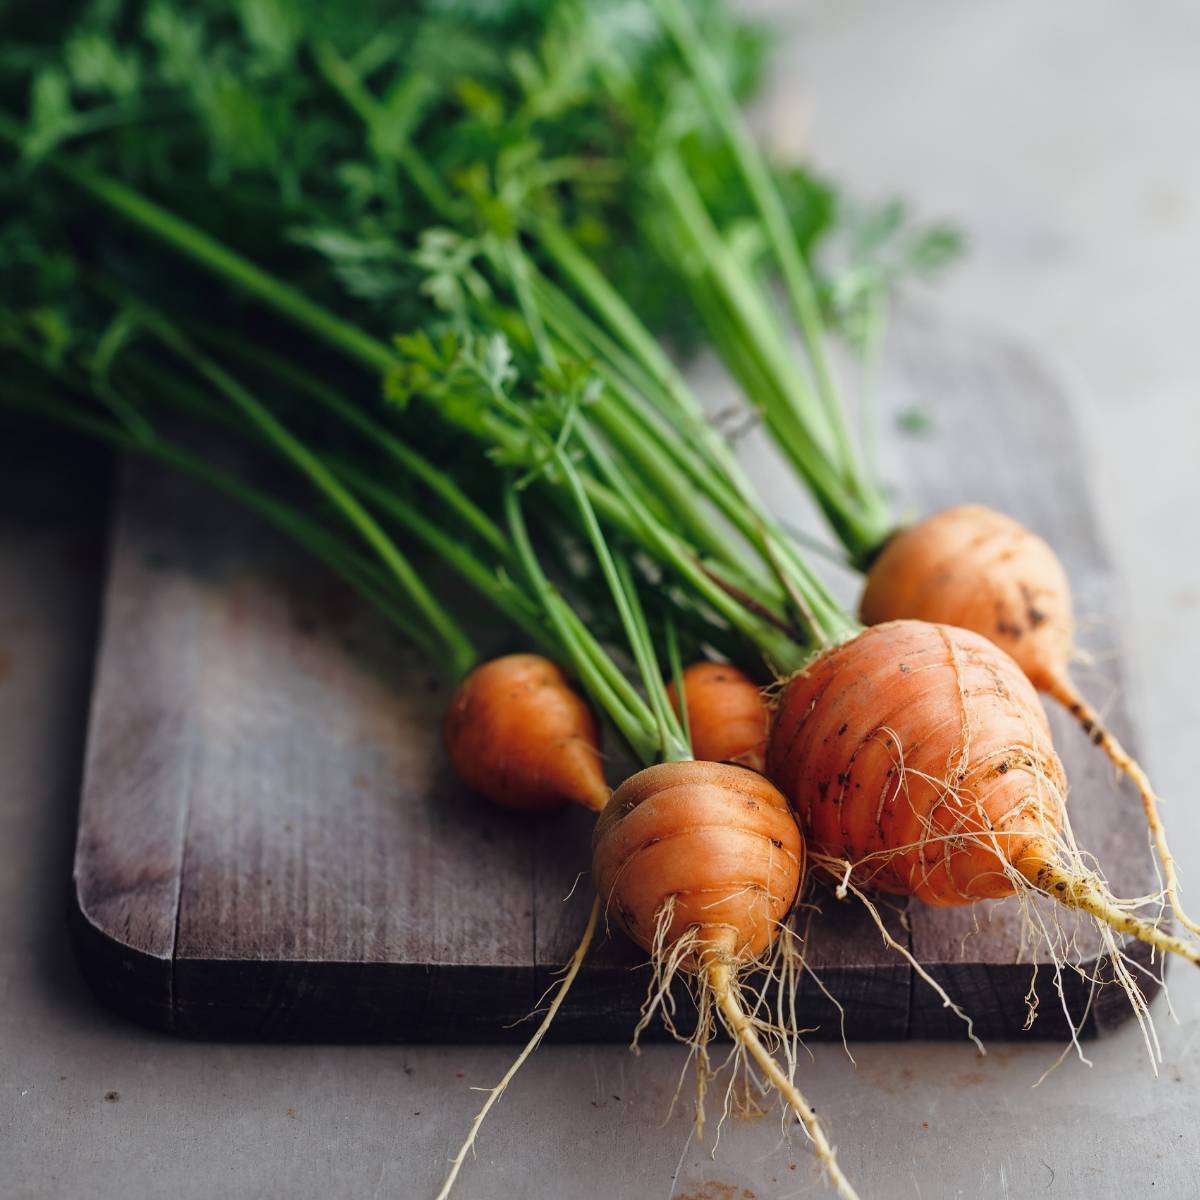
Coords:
700,863
979,569
919,758
727,714
519,734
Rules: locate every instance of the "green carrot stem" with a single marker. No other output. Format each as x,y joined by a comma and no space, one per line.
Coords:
287,300
657,450
679,194
587,339
677,746
504,594
661,472
757,175
438,481
706,627
645,436
617,497
758,386
510,256
671,387
782,651
216,257
634,721
385,140
626,325
761,354
359,346
705,459
624,690
623,513
640,487
624,596
724,481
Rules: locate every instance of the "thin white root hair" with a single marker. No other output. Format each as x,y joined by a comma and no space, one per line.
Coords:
1073,1043
666,961
847,885
560,994
841,1011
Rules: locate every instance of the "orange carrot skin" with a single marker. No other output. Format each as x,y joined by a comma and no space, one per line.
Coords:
979,569
519,734
718,838
922,754
727,714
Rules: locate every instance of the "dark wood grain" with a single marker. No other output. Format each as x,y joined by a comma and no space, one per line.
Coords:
271,844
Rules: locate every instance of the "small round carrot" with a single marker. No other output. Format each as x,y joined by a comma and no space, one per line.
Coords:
919,758
979,569
700,863
519,734
716,841
727,714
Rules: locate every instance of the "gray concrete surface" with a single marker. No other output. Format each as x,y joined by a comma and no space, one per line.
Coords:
1064,137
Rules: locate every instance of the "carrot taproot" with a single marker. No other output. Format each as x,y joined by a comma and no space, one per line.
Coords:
727,714
918,757
979,569
700,863
519,734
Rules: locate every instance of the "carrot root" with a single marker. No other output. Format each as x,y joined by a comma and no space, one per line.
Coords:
1075,888
718,976
727,714
956,796
708,956
519,734
560,994
975,568
1065,692
1086,893
701,862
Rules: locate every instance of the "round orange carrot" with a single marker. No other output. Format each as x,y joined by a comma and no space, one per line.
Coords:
727,714
981,570
906,749
713,843
918,758
519,734
700,863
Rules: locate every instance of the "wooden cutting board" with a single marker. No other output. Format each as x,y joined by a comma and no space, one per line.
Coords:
271,844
